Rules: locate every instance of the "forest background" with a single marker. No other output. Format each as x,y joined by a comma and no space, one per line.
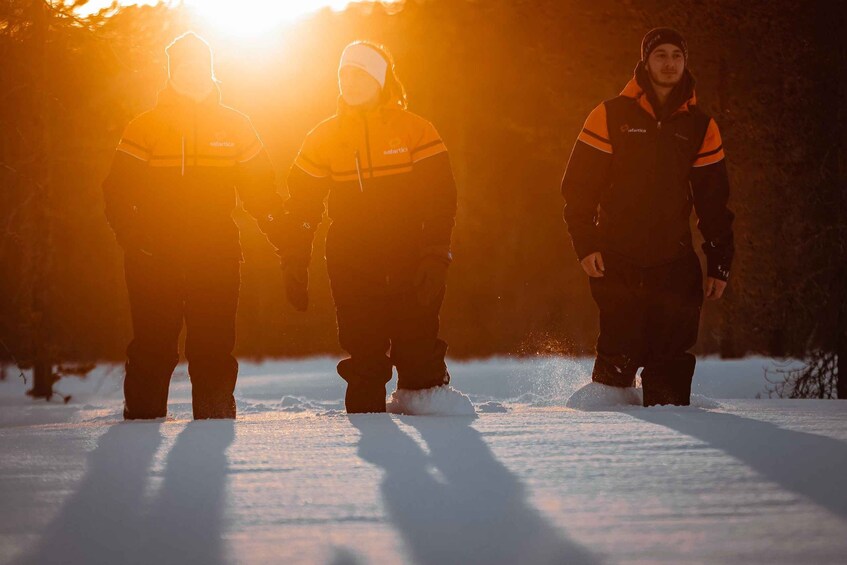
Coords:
508,84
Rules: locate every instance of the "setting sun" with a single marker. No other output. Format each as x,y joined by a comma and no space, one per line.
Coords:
252,17
244,17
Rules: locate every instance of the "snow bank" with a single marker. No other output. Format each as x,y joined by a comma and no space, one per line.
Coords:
492,408
700,401
596,396
437,401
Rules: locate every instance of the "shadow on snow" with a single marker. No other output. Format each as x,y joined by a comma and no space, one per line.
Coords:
107,520
458,504
807,464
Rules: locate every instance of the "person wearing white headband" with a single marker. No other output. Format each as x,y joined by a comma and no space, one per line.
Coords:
365,57
392,200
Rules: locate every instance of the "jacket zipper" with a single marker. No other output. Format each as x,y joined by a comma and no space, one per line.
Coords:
195,135
659,137
183,155
359,171
368,146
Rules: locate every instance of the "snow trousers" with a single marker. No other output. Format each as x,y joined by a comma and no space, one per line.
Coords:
381,324
649,317
202,292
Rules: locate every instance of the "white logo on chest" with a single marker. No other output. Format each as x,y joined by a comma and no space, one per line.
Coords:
625,128
396,151
221,140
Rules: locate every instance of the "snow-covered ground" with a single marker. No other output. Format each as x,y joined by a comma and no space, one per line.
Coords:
529,480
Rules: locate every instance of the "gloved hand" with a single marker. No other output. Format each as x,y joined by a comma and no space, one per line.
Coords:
297,286
431,278
718,258
133,240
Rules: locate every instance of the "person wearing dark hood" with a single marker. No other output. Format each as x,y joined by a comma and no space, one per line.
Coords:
640,163
392,202
169,198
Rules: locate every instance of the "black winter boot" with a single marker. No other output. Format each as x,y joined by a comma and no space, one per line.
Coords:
668,381
618,371
211,408
365,398
145,414
662,393
364,395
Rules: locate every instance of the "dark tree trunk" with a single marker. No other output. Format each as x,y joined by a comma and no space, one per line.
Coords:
841,180
841,348
43,376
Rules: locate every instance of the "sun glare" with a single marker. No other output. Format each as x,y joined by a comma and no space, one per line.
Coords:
244,17
253,17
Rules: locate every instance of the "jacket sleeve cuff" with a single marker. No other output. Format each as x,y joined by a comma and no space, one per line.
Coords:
584,248
718,259
441,252
293,240
130,238
718,270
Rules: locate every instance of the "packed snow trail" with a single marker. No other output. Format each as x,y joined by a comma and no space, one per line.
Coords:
528,480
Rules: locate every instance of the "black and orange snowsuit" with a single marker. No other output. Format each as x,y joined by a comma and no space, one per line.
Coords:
633,178
169,198
392,201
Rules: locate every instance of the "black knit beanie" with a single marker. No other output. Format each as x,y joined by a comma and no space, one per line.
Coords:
660,36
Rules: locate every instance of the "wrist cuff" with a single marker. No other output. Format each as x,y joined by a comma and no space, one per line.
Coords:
718,271
441,252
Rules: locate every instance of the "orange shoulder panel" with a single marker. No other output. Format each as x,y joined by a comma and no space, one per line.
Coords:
311,158
135,140
248,143
711,151
428,142
595,132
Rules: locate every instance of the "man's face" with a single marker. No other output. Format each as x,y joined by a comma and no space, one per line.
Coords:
358,88
192,78
665,65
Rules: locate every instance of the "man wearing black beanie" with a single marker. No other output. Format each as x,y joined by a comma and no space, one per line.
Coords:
641,162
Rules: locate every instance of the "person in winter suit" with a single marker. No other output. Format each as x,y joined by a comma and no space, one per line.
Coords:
640,163
169,197
392,202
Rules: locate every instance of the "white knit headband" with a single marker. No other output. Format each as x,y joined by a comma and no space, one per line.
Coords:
366,58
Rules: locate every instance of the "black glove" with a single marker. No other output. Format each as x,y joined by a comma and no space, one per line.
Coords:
431,278
718,259
133,240
297,286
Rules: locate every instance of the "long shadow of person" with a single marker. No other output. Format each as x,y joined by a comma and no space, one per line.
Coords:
101,521
807,464
458,504
186,523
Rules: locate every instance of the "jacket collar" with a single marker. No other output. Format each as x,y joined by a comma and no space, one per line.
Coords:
637,92
344,109
168,97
